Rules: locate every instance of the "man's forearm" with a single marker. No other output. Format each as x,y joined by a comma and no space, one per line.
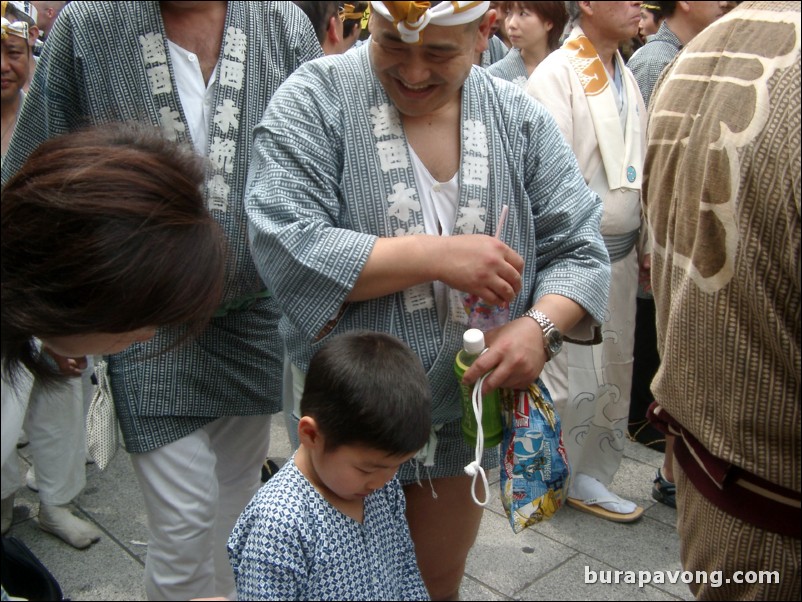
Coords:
396,264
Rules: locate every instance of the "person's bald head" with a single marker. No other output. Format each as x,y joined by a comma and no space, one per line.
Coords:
46,13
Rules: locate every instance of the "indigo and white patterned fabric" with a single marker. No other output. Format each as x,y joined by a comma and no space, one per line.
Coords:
108,61
511,68
496,50
451,455
331,172
292,544
650,59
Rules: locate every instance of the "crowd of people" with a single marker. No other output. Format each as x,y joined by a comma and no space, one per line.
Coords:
241,209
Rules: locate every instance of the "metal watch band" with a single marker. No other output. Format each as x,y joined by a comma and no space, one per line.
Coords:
552,337
541,318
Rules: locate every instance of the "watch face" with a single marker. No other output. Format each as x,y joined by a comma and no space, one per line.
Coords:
554,342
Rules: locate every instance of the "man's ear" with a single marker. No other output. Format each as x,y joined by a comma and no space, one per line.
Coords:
490,18
355,33
483,33
33,35
333,32
308,432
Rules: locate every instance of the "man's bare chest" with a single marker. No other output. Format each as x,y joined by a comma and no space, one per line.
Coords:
437,146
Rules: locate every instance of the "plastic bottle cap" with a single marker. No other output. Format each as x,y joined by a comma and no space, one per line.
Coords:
473,341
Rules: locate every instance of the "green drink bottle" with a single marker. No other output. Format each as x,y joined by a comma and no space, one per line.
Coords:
473,343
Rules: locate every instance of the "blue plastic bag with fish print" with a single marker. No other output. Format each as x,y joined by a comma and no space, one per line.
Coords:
534,466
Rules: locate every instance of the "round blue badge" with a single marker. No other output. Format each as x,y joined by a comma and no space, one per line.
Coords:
631,174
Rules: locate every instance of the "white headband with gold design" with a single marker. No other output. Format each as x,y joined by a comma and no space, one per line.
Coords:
26,16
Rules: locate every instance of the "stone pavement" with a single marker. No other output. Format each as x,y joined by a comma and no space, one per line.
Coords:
546,562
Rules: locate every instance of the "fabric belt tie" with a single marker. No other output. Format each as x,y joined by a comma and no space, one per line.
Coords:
739,493
620,245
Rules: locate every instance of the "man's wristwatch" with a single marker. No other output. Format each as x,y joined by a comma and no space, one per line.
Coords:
552,337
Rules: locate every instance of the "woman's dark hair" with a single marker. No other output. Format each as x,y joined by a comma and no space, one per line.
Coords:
553,12
349,24
663,9
369,388
319,14
105,230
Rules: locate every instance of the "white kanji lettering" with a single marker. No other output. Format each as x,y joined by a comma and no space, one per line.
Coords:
222,152
385,121
402,202
475,170
227,116
472,218
475,137
418,297
231,74
236,44
392,154
217,191
159,79
152,48
171,123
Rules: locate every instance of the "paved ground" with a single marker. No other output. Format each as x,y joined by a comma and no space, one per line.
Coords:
547,562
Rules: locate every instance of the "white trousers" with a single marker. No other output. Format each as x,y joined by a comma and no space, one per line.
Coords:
195,489
14,405
591,385
56,427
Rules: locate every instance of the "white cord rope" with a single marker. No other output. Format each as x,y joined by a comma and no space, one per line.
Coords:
474,469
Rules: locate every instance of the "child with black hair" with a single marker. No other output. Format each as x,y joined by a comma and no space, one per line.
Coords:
331,524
